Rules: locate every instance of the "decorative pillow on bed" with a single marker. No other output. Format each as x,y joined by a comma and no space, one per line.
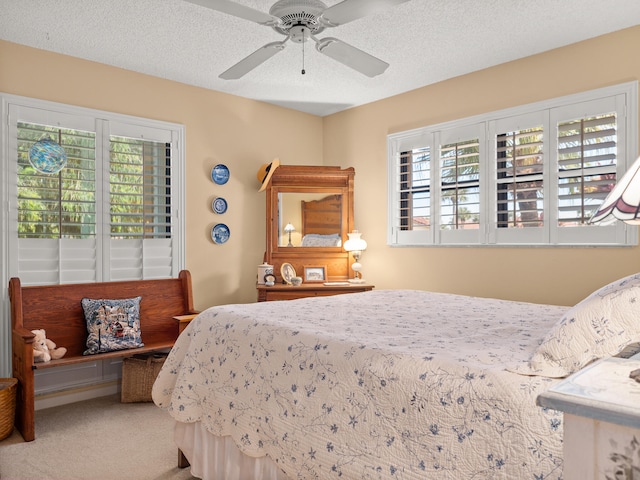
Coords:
601,325
317,240
112,324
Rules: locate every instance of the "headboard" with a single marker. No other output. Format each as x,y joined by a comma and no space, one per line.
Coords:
322,217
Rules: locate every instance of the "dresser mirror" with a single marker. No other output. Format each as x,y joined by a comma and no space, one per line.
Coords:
308,219
309,214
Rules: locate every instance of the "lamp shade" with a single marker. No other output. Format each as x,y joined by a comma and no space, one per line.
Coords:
288,228
355,243
623,202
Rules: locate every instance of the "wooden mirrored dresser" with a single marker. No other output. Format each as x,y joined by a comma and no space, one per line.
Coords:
309,215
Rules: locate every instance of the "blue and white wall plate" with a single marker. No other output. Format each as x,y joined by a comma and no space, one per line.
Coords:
220,233
220,174
219,205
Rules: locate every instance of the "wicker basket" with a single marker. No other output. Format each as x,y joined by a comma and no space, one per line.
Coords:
138,374
8,387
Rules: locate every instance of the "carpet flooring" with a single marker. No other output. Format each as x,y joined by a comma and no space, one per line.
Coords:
95,439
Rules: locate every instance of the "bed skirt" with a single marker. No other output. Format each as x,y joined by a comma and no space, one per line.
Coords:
213,457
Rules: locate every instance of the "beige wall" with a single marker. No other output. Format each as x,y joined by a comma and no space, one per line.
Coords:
220,128
357,137
243,134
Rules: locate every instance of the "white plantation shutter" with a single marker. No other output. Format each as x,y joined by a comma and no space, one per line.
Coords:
411,200
415,189
139,189
52,229
519,168
144,258
587,157
58,205
590,139
141,210
56,214
519,185
530,175
112,213
460,185
51,261
459,177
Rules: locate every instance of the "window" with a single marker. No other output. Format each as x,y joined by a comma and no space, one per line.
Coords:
531,175
139,188
460,185
58,205
415,189
519,178
112,213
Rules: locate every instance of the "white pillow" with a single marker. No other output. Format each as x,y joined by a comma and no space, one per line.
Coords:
601,325
318,240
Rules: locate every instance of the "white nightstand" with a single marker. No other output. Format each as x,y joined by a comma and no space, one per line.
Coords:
601,406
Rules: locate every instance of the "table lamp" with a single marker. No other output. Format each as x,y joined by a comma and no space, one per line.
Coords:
623,202
288,228
356,246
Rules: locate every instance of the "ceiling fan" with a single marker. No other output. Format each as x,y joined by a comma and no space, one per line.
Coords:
301,20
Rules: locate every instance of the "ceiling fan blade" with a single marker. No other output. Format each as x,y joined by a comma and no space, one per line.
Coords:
349,10
351,56
237,10
258,57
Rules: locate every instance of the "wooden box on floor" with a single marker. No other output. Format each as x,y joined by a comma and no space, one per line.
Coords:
138,374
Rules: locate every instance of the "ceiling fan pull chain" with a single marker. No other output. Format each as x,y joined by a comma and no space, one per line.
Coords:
303,71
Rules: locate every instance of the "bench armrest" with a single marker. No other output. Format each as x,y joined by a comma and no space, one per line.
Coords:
25,336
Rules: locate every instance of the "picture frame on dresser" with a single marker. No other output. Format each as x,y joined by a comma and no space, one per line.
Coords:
315,274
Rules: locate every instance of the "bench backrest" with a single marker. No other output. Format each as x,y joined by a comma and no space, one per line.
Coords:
58,310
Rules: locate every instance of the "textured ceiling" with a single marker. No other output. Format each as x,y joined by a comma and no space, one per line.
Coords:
424,41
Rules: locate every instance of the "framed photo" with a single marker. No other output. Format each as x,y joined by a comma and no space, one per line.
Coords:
315,274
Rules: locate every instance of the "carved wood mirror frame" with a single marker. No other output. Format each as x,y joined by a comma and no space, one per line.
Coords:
315,180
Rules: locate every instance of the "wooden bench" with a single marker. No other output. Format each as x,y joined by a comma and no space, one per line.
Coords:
57,309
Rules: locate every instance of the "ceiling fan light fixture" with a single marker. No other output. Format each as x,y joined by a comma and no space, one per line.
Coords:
299,34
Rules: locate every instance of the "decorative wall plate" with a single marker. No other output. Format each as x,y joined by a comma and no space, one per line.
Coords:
288,272
219,205
220,174
220,233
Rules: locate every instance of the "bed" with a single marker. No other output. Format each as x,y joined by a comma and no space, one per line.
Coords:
395,384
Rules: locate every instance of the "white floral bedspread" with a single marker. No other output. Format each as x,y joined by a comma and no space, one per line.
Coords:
393,384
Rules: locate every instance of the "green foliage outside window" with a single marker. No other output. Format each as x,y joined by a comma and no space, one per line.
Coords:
63,205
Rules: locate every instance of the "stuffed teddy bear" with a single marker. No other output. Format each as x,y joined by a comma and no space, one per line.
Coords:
44,349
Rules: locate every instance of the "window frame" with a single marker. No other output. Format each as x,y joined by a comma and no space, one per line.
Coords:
623,96
105,124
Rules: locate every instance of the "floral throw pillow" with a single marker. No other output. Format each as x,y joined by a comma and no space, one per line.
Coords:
601,325
112,324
